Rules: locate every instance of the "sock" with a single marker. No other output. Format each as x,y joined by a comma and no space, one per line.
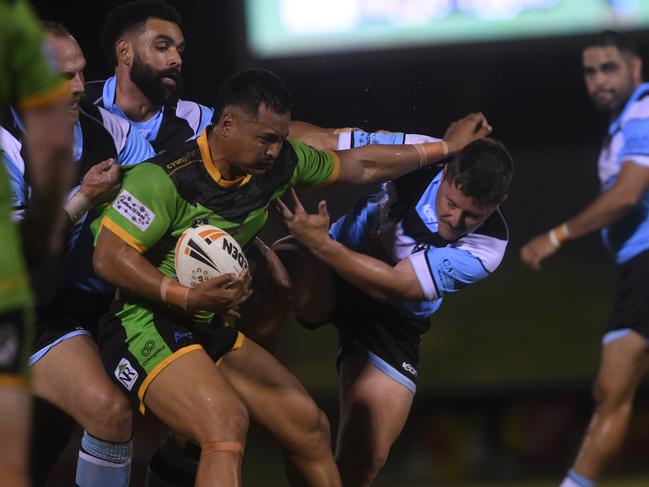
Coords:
173,467
103,463
573,479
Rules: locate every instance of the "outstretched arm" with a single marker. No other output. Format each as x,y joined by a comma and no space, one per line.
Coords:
378,163
374,277
610,206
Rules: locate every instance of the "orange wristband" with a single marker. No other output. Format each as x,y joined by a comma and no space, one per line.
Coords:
173,293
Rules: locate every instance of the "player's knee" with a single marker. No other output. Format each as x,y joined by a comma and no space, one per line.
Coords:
226,423
112,417
609,395
317,433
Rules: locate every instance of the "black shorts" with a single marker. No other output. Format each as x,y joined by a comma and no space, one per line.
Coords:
390,335
137,342
15,342
69,314
631,305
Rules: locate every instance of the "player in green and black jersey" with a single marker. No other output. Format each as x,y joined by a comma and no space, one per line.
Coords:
29,83
160,341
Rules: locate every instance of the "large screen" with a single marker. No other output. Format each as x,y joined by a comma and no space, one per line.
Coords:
301,27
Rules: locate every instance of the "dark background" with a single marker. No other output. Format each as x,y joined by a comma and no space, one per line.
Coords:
507,365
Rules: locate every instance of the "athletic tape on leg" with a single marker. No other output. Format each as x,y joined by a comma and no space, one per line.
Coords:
222,446
103,463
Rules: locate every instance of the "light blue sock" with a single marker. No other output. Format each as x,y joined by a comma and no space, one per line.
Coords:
573,479
103,463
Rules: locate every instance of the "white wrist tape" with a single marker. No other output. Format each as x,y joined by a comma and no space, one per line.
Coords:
77,206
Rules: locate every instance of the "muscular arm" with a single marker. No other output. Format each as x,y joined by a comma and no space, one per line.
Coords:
377,163
374,277
318,137
608,207
118,263
614,203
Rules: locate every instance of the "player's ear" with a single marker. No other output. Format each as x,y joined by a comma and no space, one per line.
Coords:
124,51
227,121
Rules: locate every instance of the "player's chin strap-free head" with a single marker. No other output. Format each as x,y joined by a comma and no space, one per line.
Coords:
221,447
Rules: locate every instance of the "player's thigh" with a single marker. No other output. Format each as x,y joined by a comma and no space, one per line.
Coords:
71,376
373,406
624,362
191,396
274,397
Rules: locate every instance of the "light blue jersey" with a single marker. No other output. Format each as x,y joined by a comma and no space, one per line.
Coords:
627,141
400,222
98,135
168,128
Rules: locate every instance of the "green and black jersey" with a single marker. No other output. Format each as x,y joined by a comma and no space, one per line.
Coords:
160,199
28,82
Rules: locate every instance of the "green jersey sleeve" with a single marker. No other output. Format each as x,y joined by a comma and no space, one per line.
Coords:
314,167
28,75
145,207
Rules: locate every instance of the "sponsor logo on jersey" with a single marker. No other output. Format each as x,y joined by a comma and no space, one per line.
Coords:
126,373
409,368
429,213
133,210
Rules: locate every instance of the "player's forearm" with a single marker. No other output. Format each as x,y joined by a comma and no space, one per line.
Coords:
49,144
609,207
370,275
121,265
318,137
379,163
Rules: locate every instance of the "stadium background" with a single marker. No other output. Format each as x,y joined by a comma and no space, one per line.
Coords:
506,368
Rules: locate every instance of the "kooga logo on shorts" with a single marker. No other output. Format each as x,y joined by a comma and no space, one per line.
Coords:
409,368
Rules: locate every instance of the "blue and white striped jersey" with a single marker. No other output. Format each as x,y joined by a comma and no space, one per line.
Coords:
170,127
400,222
627,141
98,135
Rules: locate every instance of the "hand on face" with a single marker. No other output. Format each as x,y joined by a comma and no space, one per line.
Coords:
464,131
310,229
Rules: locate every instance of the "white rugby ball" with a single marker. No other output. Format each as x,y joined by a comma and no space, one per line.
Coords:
204,252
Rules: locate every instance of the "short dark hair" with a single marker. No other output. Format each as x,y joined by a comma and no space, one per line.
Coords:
250,88
483,171
130,16
611,38
56,29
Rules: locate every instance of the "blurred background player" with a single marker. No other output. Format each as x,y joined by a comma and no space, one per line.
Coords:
27,81
613,76
70,298
395,256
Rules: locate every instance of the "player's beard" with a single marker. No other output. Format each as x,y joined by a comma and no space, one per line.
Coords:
149,82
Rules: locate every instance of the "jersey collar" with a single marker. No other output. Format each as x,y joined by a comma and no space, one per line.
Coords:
639,92
213,171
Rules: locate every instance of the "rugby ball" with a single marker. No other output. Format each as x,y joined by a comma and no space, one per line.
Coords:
204,252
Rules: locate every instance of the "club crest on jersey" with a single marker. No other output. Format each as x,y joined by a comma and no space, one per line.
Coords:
133,210
126,373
